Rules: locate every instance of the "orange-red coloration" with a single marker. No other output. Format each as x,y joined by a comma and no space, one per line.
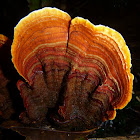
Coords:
72,66
3,40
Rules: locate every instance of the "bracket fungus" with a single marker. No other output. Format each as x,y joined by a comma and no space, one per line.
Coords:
77,73
6,106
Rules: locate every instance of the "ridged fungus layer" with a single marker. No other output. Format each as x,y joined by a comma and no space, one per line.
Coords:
78,73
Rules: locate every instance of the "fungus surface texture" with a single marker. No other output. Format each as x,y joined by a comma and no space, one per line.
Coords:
77,73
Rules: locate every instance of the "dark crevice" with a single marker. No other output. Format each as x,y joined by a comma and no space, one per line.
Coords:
68,36
43,68
63,87
53,114
93,91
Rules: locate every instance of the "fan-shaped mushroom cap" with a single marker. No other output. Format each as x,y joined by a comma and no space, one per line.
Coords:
103,50
89,63
38,37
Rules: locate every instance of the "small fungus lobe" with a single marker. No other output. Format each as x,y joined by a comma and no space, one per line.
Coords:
6,106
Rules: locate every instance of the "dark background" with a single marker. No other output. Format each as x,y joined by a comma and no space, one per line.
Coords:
122,15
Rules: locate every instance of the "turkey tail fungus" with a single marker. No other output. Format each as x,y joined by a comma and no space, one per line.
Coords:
6,108
77,73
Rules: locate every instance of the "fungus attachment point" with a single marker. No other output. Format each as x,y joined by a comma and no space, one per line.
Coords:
78,73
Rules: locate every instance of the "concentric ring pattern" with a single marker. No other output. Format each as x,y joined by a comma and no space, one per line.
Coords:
80,69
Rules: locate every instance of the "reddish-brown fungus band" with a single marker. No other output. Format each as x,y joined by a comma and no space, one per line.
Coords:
78,73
